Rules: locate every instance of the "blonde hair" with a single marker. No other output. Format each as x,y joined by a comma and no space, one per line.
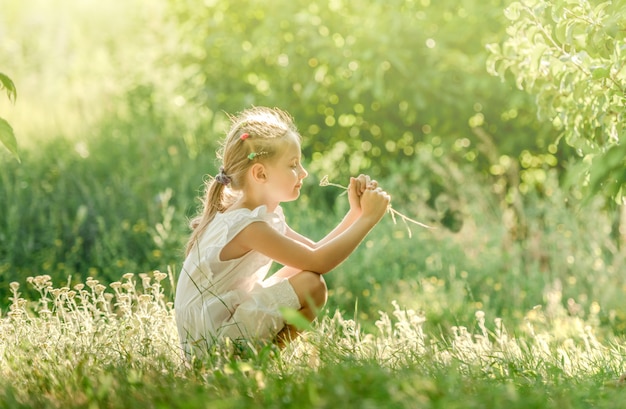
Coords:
266,128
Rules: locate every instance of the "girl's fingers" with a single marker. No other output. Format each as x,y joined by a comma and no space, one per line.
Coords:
354,193
354,186
360,184
364,183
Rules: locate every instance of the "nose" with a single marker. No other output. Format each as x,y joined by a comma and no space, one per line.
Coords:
303,172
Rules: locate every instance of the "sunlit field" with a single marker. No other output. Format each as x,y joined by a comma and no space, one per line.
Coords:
116,346
513,299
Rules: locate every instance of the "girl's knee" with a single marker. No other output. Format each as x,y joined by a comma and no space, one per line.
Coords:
310,286
321,290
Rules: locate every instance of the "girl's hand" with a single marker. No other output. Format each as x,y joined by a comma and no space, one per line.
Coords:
356,188
374,203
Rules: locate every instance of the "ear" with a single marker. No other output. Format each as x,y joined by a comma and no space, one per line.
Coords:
258,173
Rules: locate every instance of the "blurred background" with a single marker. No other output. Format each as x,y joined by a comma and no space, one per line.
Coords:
121,105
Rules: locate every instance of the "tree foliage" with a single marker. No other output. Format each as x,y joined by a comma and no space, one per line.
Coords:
571,55
7,137
370,83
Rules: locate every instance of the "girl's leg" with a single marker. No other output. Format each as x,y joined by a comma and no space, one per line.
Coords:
311,290
286,272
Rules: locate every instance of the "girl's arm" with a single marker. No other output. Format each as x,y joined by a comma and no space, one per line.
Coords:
355,189
263,238
347,221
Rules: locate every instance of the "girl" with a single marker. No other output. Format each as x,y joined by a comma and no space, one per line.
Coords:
222,291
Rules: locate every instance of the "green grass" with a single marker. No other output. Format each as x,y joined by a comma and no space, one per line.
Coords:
93,346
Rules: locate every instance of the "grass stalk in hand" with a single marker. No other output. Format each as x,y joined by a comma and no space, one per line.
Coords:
393,212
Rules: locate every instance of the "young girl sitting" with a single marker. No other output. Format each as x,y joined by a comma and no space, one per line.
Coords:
222,290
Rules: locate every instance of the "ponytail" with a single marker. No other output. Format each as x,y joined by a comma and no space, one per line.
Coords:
215,200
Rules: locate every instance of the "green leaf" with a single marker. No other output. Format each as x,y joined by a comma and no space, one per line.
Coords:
494,48
7,138
599,72
513,12
536,56
490,64
6,83
604,166
293,317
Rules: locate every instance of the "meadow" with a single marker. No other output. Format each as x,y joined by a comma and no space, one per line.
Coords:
514,298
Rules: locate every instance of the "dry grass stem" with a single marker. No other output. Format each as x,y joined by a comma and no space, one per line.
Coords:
393,212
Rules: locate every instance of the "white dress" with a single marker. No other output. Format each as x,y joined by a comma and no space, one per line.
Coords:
218,299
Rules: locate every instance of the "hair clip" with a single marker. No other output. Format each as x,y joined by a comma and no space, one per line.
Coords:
244,136
253,155
222,177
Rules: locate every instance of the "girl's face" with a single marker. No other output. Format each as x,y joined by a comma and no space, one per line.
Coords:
285,172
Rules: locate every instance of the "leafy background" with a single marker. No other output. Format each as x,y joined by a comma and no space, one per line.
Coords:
121,107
